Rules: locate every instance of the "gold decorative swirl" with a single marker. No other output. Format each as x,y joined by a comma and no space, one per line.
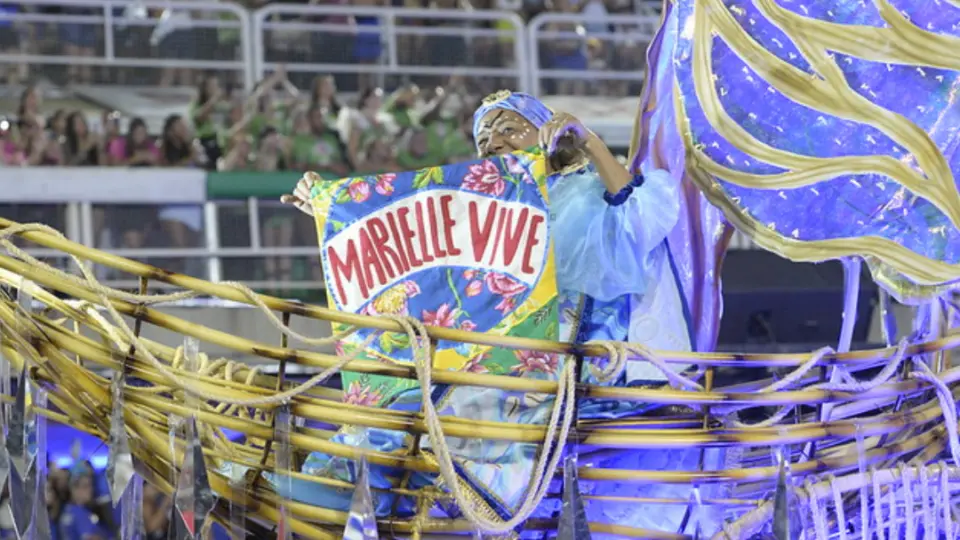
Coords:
806,170
822,95
901,43
832,95
921,270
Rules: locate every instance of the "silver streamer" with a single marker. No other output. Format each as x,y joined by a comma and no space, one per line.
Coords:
23,473
362,521
282,467
573,514
195,498
238,512
40,522
784,527
119,460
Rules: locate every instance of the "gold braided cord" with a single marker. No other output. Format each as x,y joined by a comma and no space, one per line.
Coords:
834,96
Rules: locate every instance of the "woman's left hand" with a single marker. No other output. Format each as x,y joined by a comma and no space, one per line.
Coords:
561,125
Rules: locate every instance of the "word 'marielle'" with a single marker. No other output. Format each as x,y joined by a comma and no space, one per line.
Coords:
431,229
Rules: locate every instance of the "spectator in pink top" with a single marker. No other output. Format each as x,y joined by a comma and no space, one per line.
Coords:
137,149
11,152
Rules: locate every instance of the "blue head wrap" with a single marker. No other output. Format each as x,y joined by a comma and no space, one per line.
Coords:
530,108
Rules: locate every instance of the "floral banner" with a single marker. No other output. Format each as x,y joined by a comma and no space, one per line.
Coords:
465,246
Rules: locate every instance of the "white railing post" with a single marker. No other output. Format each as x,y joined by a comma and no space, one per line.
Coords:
108,39
533,54
390,32
73,226
258,49
211,230
253,215
247,52
88,236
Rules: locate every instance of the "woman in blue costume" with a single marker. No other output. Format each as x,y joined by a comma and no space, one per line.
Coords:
614,269
617,282
78,520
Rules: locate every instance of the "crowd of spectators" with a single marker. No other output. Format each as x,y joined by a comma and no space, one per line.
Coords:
277,127
79,507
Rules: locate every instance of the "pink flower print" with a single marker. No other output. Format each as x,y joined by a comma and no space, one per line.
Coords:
506,304
474,288
469,274
359,190
503,285
361,395
515,167
384,185
444,317
535,362
474,366
484,177
468,326
338,348
393,301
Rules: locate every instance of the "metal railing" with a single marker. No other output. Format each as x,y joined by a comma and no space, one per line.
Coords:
381,42
574,54
107,34
231,245
355,41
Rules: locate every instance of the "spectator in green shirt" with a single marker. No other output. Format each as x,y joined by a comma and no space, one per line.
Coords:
317,147
402,107
202,114
419,149
323,96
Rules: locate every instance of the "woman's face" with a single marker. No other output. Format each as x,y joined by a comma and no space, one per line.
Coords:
211,85
50,494
373,102
79,126
327,88
111,125
82,491
241,144
180,130
138,135
271,142
381,151
418,143
502,132
31,101
59,124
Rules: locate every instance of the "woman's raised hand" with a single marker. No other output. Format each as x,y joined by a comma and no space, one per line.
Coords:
562,125
300,198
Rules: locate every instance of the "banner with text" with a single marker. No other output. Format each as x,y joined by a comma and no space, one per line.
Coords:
465,246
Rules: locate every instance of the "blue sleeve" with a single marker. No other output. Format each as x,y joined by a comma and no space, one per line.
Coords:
606,244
